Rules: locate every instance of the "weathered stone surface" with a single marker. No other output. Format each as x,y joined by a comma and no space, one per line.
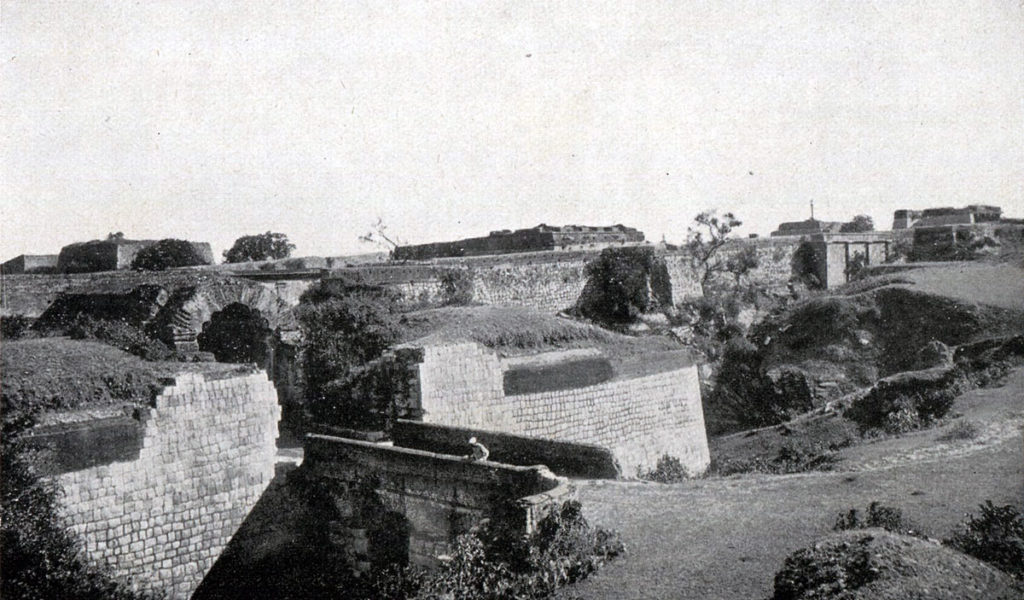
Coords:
207,455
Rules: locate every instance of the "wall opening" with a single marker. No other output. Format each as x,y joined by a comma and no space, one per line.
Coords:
238,334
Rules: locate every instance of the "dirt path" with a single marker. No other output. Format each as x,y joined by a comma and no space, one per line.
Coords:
724,538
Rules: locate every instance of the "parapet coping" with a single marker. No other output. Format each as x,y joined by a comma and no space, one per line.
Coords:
540,470
549,358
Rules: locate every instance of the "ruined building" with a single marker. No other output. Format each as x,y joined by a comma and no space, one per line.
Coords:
541,237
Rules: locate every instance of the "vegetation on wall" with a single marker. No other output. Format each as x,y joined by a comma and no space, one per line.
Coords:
262,246
167,254
622,283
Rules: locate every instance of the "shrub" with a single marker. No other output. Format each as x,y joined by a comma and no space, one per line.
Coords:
15,327
878,515
905,404
623,283
121,335
961,431
343,331
457,287
167,254
996,537
263,246
668,470
745,395
805,263
791,458
825,571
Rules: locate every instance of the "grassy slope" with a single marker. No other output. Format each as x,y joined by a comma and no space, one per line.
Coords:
63,374
512,331
724,538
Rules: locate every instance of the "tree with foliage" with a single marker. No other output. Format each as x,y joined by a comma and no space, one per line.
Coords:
167,254
858,224
624,282
343,330
262,246
704,240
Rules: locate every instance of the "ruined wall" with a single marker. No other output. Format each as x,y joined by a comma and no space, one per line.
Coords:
207,455
410,505
639,419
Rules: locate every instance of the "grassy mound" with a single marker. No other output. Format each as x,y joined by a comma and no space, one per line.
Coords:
50,374
875,564
513,331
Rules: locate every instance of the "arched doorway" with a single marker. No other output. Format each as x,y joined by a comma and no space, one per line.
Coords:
238,334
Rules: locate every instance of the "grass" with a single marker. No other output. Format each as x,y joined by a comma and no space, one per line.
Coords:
62,374
512,331
683,538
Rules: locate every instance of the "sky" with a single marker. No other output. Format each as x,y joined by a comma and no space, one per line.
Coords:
209,120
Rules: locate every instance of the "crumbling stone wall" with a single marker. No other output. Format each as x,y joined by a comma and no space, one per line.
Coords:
207,455
639,419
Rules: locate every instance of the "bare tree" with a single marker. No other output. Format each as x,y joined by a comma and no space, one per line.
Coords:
377,235
704,239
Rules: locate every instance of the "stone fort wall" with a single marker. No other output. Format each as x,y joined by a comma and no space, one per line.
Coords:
207,455
639,419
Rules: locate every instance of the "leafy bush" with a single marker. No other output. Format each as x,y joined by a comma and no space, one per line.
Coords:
791,458
457,287
343,331
906,404
996,537
745,395
624,282
961,431
15,327
263,246
668,470
858,224
823,320
825,571
121,335
40,556
805,263
878,515
167,254
490,564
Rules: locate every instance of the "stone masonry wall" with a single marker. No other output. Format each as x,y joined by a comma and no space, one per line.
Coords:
207,455
639,419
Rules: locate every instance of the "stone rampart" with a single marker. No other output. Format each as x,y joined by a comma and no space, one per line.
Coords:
161,513
639,419
401,504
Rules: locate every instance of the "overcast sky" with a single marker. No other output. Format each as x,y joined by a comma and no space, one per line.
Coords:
210,120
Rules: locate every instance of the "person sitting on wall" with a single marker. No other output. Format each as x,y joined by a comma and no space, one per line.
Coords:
480,452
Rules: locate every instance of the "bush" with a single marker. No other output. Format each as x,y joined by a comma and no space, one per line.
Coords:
668,470
622,283
263,246
878,515
996,537
15,327
961,431
825,571
745,395
121,335
804,265
491,564
167,254
791,458
457,287
343,331
906,404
